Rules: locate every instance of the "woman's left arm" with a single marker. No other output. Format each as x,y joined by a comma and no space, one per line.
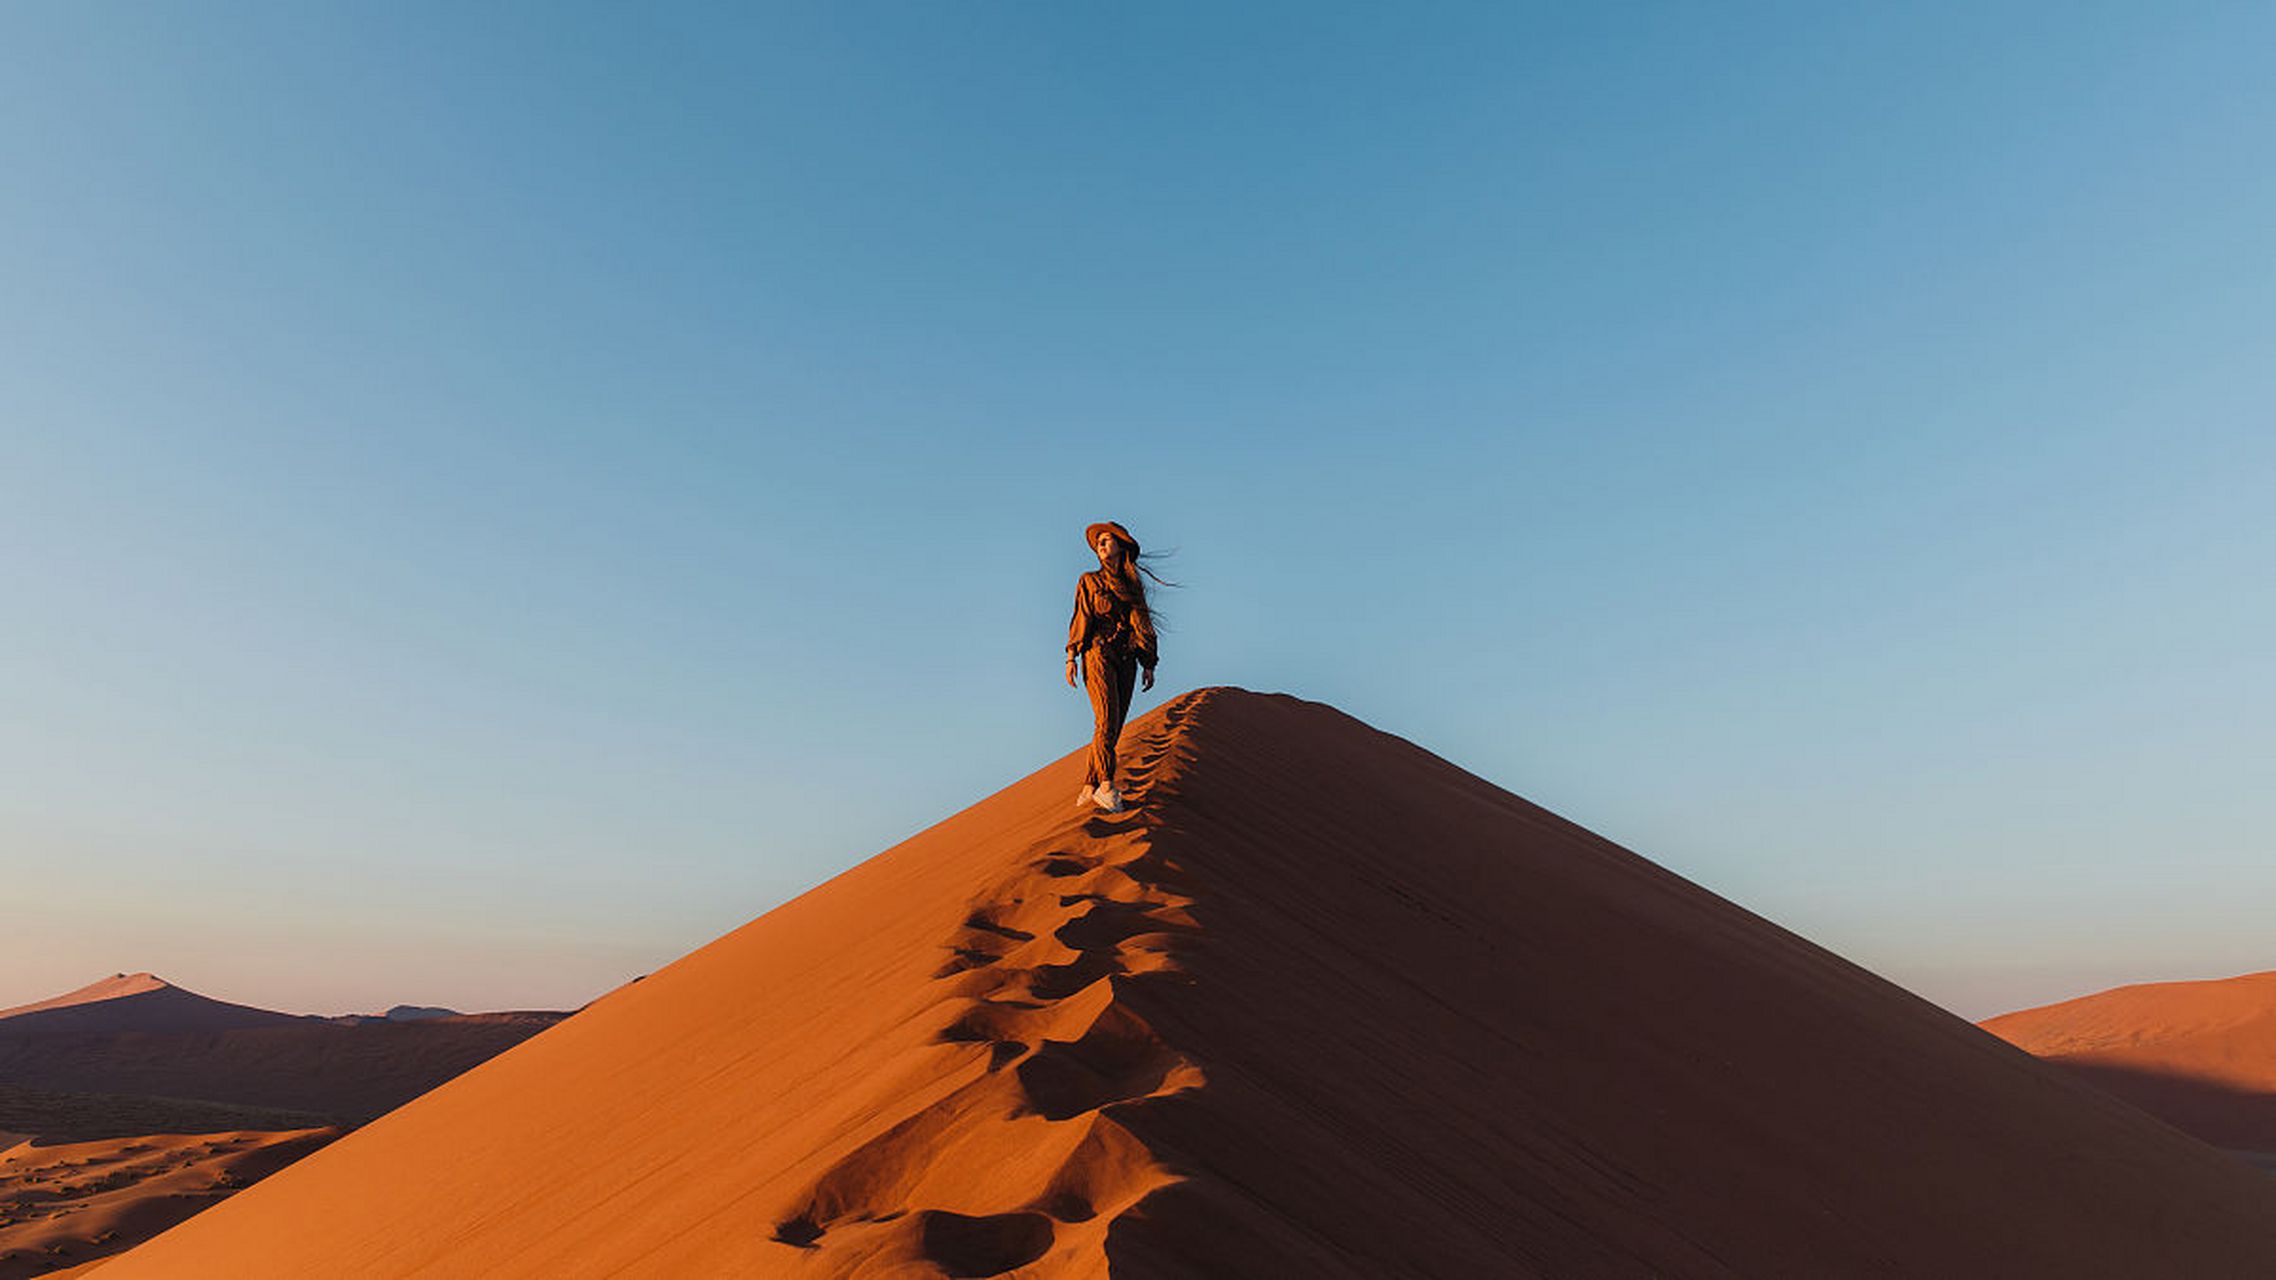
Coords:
1143,625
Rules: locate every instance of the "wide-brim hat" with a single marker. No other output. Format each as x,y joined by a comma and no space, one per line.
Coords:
1090,535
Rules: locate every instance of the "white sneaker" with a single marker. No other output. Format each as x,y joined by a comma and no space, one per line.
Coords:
1108,798
1085,796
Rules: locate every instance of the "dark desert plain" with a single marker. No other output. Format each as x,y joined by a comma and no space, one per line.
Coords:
1321,1004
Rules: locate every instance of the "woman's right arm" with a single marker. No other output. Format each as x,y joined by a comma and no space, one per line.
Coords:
1078,629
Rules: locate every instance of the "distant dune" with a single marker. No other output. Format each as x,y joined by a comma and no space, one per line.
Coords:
139,1002
2199,1055
137,1035
149,1104
116,987
1323,1006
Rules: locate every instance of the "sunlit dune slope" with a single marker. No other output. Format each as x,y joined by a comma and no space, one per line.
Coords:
1323,1005
2199,1055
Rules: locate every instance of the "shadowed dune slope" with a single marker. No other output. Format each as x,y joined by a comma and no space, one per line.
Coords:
1324,1005
2199,1055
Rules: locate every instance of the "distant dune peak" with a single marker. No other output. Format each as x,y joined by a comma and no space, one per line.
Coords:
133,1002
112,988
1320,1004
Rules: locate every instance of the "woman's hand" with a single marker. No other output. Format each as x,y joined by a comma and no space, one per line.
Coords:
1070,671
1146,679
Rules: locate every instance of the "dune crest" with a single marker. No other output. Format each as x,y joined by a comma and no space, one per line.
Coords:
1024,1163
1321,1005
111,988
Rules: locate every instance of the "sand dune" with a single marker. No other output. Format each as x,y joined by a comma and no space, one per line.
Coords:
1322,1005
2199,1055
138,1035
63,1206
111,988
140,1002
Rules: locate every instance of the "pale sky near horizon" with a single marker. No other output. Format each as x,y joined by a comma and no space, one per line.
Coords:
497,496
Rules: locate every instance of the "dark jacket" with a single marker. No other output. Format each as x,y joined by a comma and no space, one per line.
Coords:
1105,620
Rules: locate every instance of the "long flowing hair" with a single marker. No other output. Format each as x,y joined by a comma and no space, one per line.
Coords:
1125,578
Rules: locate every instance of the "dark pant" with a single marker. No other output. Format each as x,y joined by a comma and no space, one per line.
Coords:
1111,677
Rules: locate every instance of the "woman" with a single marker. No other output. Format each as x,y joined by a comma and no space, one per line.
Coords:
1110,639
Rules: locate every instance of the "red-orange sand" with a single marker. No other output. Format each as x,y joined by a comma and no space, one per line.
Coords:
61,1206
2199,1055
1321,1006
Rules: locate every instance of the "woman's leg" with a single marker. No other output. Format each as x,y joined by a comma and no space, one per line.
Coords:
1106,715
1111,679
1125,688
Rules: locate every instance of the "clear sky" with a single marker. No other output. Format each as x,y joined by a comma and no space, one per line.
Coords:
497,495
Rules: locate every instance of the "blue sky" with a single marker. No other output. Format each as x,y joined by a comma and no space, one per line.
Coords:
498,496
